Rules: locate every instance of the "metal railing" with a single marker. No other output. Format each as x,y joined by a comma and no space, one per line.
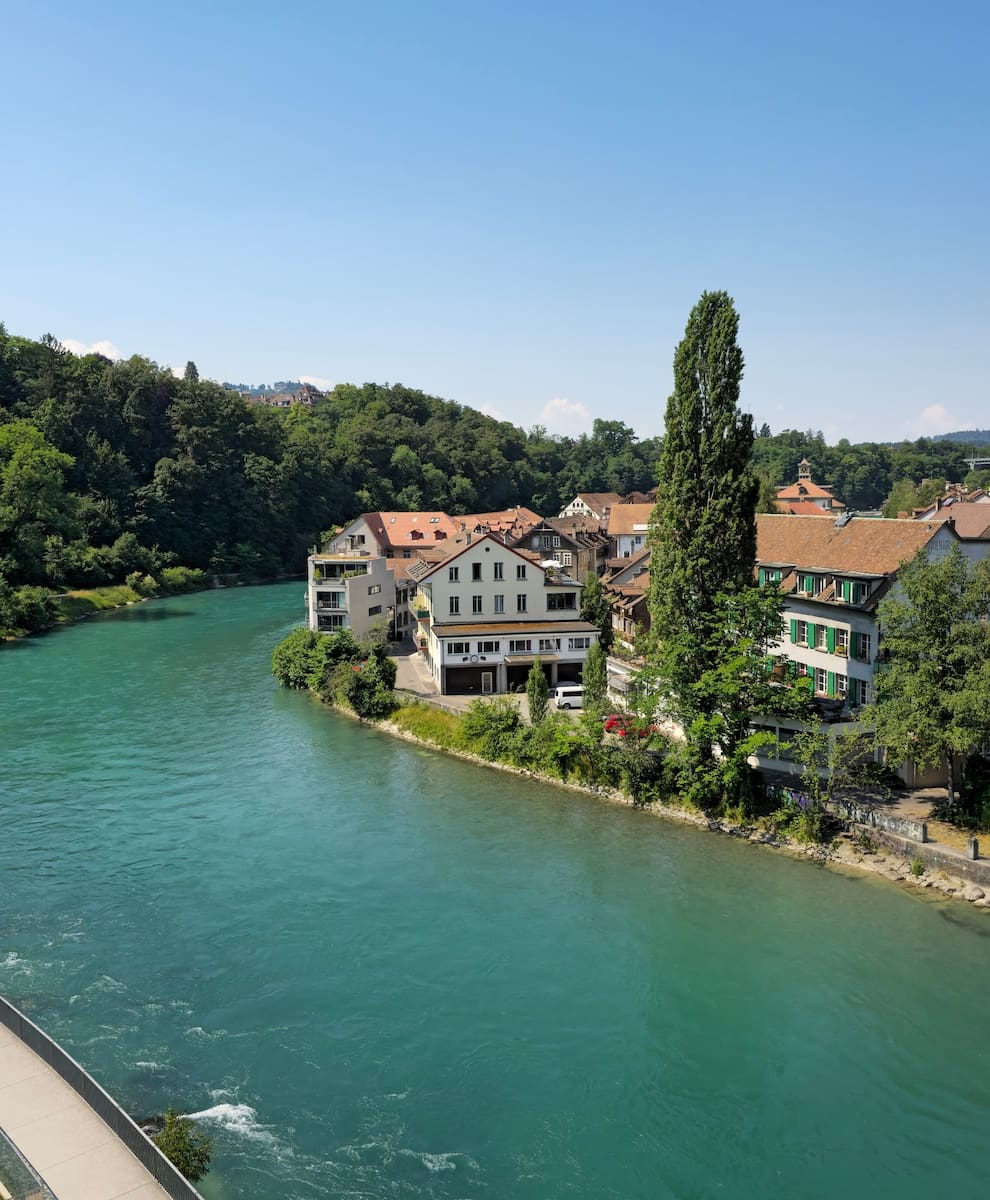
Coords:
105,1107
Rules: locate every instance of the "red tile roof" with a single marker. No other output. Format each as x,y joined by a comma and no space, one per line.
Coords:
861,546
624,517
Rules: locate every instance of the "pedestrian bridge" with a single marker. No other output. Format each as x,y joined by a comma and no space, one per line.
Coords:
61,1136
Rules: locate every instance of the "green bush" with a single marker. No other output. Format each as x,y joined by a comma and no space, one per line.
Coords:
172,580
917,867
488,728
26,609
184,1146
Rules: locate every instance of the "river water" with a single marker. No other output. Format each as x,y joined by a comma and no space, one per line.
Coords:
378,972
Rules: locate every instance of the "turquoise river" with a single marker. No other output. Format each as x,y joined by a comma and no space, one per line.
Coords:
377,972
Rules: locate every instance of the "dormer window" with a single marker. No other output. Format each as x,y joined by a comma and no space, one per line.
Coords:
853,591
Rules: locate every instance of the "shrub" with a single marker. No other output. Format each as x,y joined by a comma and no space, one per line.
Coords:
172,580
917,867
488,727
184,1146
26,609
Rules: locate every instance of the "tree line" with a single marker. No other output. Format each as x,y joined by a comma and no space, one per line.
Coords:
114,468
111,470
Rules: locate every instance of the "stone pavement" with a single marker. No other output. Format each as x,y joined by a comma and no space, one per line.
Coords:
66,1143
413,677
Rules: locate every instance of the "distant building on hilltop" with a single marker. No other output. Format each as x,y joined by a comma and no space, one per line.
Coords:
807,498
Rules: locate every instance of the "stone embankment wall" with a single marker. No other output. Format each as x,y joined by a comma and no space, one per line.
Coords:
915,831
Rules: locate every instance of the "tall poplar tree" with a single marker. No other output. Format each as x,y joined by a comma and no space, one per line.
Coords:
711,625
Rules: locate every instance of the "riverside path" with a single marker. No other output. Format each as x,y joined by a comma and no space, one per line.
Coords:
75,1153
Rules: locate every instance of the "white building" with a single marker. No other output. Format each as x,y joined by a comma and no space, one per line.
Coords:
486,611
834,573
595,505
349,589
628,528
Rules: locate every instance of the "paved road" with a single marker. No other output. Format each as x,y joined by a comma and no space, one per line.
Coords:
66,1143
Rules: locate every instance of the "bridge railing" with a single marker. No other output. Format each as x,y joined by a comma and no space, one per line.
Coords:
105,1107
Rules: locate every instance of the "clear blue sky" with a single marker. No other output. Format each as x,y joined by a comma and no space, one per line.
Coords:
513,205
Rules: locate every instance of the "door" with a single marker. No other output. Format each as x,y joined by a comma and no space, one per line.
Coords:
487,678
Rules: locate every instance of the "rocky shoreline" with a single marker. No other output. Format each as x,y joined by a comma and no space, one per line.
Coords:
846,852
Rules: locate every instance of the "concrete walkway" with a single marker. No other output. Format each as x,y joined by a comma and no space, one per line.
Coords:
412,676
66,1143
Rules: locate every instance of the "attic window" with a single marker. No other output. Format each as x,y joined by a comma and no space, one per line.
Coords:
439,534
416,534
434,520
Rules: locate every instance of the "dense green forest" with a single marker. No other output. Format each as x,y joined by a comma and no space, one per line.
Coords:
112,468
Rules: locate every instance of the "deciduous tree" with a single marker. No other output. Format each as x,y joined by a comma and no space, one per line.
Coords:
933,693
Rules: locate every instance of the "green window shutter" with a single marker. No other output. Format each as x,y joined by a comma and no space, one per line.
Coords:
791,670
854,644
793,630
811,634
809,584
831,683
847,590
830,639
761,575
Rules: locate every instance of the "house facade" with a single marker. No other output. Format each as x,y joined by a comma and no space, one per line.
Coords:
485,611
349,589
592,504
628,526
578,545
833,575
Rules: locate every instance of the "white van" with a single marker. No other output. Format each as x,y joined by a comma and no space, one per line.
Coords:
569,695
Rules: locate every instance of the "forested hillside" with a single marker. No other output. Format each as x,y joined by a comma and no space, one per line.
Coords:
111,468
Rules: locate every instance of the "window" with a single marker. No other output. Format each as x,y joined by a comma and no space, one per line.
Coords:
862,646
549,645
458,647
578,643
807,584
821,681
566,558
455,606
520,645
498,570
452,574
557,600
489,647
556,541
842,686
821,637
799,633
842,642
861,691
521,602
330,600
333,621
374,589
407,554
500,604
521,571
476,571
476,604
375,610
770,575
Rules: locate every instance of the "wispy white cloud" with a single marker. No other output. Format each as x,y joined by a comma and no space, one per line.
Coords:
494,413
561,415
104,347
318,381
936,418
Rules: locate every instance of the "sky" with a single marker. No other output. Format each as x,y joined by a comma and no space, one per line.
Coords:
512,205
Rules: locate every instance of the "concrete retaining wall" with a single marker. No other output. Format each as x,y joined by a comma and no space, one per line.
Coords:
916,831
